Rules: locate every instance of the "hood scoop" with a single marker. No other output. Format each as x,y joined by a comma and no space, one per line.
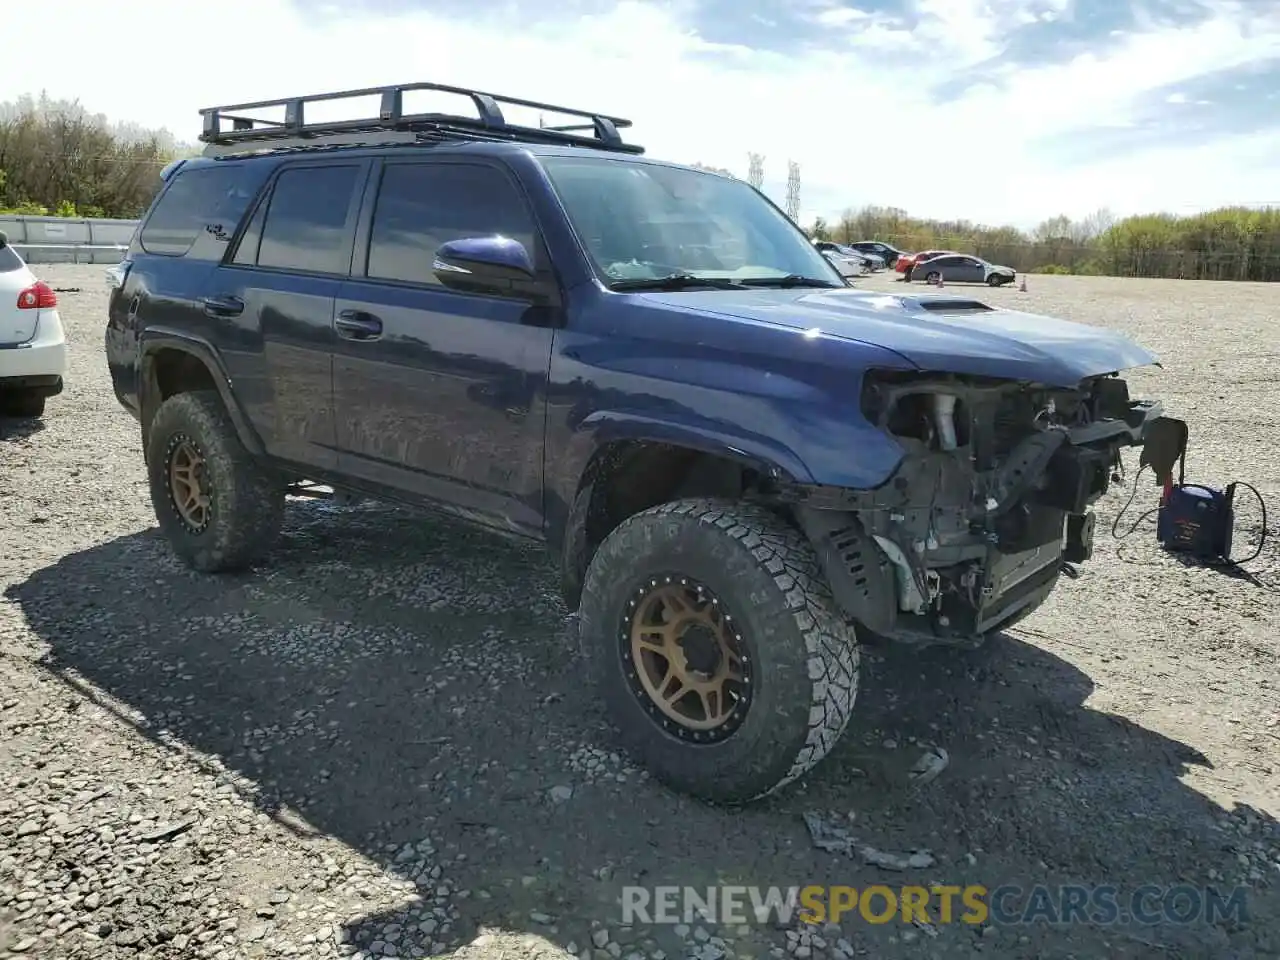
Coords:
956,305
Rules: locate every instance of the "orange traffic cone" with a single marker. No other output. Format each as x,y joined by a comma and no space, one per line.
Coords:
941,281
1022,285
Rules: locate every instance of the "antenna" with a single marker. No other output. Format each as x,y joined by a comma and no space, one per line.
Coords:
755,170
793,191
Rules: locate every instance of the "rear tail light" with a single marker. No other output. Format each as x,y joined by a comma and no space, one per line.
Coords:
38,296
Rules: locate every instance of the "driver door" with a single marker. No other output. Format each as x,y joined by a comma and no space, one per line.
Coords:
440,393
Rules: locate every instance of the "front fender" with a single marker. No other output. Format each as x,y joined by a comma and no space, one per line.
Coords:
767,454
155,339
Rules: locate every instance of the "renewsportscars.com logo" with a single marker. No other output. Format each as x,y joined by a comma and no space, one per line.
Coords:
1006,905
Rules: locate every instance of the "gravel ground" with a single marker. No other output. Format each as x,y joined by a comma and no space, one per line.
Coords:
379,745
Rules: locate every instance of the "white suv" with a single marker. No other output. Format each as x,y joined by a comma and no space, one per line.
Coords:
33,349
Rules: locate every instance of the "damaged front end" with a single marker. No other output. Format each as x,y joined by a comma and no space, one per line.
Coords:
987,507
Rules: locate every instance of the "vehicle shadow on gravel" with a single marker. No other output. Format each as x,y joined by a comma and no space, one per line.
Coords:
13,429
410,688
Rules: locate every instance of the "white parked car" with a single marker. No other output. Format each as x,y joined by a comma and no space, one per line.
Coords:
870,261
33,349
848,267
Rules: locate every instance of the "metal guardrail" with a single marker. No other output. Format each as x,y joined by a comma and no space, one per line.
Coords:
68,240
71,252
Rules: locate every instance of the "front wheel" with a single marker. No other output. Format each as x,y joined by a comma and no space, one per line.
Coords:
717,649
219,509
933,277
995,280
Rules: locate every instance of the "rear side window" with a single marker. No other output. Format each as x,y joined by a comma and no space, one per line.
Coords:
195,199
9,260
307,226
423,205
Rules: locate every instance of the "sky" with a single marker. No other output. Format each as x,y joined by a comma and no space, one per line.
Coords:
995,111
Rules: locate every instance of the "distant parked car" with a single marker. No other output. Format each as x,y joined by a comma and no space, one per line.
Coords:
961,268
908,261
886,252
33,352
870,260
849,268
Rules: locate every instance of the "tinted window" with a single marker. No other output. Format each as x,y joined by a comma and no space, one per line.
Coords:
422,205
306,224
247,251
194,199
9,260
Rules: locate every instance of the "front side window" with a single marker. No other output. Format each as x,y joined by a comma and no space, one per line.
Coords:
642,221
424,205
306,221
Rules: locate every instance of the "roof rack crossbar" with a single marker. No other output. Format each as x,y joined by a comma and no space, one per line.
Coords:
258,133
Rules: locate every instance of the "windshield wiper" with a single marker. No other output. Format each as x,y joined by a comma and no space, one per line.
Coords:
790,280
676,281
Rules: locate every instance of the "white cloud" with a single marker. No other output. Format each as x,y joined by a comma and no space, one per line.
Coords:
859,118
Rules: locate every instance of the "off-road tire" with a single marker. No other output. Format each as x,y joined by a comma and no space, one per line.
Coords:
806,659
22,404
247,501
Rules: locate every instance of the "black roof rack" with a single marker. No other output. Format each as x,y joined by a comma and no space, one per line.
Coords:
393,125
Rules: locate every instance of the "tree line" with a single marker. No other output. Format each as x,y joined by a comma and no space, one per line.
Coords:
57,159
1233,243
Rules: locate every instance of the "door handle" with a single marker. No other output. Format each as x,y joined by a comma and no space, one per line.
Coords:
224,306
358,325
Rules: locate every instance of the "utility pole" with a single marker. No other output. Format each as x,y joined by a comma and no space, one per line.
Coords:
793,191
755,170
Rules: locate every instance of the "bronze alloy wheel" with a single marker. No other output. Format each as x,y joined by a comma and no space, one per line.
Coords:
189,491
685,659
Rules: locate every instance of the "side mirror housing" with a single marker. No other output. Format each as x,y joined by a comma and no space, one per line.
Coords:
496,265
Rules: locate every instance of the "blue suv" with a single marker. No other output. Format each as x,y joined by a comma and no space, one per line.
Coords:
744,466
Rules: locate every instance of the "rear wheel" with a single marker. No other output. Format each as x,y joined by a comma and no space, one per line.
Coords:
716,648
26,404
219,509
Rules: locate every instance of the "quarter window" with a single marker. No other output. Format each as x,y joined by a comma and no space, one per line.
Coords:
194,200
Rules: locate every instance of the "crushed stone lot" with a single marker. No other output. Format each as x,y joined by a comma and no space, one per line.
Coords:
379,744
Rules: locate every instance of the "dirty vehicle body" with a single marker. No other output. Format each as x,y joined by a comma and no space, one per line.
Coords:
744,465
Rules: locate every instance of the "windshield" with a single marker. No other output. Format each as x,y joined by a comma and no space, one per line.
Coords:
642,222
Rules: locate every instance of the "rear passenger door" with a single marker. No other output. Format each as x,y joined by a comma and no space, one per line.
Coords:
442,396
276,292
953,269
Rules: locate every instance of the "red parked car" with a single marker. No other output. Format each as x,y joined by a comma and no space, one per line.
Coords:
909,260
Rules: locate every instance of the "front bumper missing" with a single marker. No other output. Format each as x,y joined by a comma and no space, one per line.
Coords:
1035,519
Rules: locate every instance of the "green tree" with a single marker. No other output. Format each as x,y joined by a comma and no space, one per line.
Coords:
59,158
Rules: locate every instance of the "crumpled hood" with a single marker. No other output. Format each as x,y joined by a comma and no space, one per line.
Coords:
994,342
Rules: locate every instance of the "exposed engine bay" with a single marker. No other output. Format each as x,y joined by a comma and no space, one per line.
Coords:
990,503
